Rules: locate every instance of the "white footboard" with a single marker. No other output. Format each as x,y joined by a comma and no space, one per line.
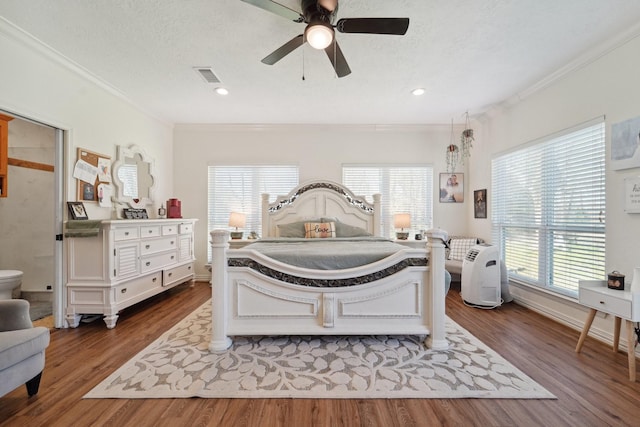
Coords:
257,296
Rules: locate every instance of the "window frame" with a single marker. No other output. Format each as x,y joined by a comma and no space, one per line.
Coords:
384,187
570,232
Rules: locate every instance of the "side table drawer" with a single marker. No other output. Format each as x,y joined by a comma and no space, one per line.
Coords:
602,302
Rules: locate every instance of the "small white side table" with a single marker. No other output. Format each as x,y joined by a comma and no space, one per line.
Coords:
620,304
240,243
411,243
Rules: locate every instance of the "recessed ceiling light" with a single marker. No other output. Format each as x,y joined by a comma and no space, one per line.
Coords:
417,92
222,91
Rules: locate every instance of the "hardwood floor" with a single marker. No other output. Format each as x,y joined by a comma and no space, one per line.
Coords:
592,387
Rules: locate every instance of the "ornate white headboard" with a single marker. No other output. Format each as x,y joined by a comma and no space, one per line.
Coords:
318,199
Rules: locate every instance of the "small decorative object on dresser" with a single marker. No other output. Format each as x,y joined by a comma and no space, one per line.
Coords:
77,211
131,213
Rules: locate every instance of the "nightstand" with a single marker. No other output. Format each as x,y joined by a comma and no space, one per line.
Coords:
411,243
620,304
240,243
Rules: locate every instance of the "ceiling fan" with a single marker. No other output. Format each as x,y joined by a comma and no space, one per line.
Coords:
320,15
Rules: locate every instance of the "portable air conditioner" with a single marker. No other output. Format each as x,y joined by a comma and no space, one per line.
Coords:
481,277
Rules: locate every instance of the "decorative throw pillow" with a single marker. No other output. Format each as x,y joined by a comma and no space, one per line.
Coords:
346,230
460,247
315,230
294,229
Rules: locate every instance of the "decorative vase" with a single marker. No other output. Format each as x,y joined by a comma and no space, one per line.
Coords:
635,283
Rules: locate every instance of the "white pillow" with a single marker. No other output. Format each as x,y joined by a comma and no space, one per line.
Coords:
460,247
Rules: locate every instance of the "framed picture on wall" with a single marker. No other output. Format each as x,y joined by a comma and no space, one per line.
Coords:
452,188
480,203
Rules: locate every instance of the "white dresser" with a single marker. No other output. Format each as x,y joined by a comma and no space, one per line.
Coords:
128,262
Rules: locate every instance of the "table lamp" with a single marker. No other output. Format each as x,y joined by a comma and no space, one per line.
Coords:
237,220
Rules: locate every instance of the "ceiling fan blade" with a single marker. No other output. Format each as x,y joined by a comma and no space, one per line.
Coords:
284,50
397,26
277,8
337,60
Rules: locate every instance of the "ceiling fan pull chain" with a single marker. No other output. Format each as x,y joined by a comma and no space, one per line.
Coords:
303,49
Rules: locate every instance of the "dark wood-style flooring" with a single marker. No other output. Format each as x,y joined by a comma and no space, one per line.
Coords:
592,387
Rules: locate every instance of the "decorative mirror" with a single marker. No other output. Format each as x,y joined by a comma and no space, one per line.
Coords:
133,176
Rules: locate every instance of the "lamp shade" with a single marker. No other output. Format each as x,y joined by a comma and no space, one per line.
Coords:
237,220
402,220
319,35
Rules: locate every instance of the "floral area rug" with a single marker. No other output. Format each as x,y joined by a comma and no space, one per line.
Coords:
179,365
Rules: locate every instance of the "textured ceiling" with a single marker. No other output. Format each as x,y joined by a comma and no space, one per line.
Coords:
468,55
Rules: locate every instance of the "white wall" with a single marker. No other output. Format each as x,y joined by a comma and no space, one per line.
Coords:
319,151
39,84
608,86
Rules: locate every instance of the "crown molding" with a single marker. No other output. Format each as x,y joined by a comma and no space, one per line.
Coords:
17,34
598,51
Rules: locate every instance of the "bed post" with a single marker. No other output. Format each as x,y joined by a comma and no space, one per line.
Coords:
219,288
264,206
436,240
376,214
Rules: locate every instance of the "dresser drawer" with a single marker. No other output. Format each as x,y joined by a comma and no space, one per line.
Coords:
154,262
150,231
128,233
186,228
169,230
137,287
602,300
178,274
157,245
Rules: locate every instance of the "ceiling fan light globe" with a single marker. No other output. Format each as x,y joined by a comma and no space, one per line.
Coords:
319,36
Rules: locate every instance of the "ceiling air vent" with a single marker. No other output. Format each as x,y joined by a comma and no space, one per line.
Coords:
207,74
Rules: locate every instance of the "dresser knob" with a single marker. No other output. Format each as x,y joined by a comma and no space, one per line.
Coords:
601,302
123,290
150,231
148,263
170,274
147,246
126,233
154,279
172,242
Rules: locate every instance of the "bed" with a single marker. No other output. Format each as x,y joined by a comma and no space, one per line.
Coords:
401,291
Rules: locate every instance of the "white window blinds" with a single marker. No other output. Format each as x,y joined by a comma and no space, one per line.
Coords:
240,189
403,188
548,209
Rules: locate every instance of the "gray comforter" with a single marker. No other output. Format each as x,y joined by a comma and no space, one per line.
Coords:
327,254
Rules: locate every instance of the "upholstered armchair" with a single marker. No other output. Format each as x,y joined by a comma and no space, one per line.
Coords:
22,347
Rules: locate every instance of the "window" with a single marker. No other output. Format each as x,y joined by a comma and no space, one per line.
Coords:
548,209
240,189
403,189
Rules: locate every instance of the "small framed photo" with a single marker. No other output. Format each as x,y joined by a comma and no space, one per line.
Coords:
480,203
77,211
